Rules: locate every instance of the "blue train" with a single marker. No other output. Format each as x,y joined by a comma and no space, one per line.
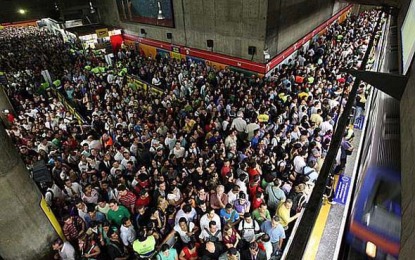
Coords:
375,220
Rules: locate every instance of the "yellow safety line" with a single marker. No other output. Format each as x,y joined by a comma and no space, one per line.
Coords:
318,229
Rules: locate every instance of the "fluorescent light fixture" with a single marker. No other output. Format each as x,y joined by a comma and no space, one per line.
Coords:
91,8
160,15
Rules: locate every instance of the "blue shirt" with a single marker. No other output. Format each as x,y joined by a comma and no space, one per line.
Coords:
100,218
226,216
275,234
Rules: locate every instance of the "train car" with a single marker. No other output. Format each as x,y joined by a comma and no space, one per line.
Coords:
375,221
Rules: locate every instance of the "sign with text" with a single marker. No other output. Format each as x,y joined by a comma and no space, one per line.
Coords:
102,33
342,190
359,122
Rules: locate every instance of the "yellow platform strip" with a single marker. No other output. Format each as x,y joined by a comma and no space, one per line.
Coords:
318,229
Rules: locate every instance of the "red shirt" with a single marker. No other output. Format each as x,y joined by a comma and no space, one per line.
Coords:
225,170
10,118
128,200
252,189
256,203
252,172
142,201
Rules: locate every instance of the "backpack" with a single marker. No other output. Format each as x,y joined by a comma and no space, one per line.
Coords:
212,237
243,227
298,200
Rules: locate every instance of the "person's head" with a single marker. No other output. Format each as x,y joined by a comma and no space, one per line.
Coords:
122,190
57,244
247,217
227,229
102,202
126,222
141,235
68,183
275,220
106,226
288,204
213,226
113,204
183,223
253,248
162,186
262,208
165,249
242,197
235,189
232,254
113,234
265,238
277,182
187,208
80,205
211,212
202,205
228,208
201,191
220,189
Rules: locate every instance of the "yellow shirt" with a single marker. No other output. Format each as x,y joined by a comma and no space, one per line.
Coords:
146,246
263,118
284,214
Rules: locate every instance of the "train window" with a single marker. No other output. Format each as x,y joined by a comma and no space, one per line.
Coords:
388,197
384,207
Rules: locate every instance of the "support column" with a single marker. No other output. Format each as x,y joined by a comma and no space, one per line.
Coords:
25,223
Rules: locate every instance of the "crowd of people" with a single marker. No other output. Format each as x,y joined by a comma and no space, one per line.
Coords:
217,167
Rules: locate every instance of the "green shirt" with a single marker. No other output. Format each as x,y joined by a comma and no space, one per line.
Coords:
144,247
116,216
257,216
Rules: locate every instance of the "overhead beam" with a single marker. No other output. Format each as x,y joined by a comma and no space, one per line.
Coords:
392,84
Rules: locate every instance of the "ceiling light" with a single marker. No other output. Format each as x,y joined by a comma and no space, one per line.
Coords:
160,15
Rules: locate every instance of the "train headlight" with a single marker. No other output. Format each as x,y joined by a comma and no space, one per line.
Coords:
371,249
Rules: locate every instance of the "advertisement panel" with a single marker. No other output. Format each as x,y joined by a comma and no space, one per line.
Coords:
149,12
216,65
149,51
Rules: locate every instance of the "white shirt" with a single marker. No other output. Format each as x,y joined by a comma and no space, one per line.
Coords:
325,126
204,221
239,124
67,252
189,216
299,163
232,197
248,229
183,234
75,187
127,235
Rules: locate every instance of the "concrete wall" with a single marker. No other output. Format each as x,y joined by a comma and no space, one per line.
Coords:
233,25
289,20
408,155
408,168
26,232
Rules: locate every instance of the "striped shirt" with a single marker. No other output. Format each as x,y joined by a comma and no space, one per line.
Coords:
71,231
128,200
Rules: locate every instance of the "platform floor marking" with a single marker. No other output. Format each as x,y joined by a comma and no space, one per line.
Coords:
318,229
